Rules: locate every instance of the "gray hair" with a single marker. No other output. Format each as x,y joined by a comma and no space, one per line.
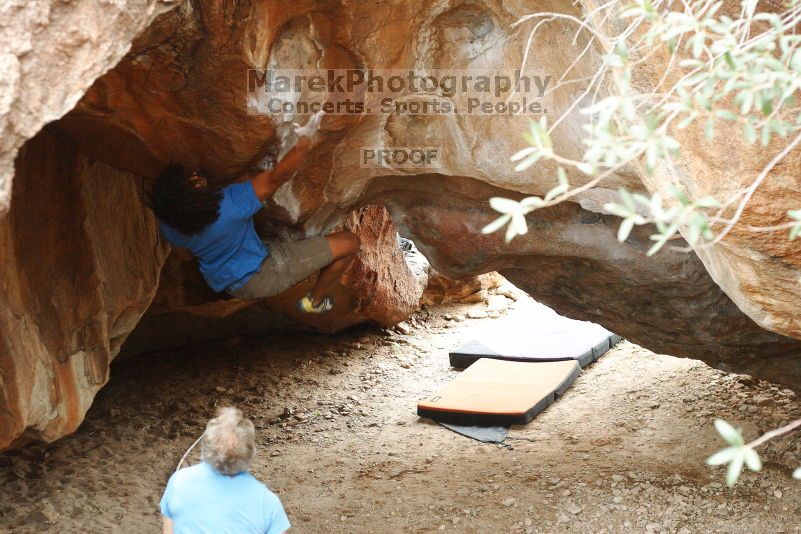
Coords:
229,442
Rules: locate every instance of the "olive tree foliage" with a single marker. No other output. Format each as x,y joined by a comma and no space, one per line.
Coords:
743,69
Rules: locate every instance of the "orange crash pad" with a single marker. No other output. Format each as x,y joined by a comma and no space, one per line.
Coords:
500,392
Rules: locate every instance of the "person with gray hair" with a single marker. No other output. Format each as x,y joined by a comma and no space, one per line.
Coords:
219,495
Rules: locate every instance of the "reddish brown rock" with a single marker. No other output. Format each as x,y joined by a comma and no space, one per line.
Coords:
759,271
571,261
81,261
50,53
384,290
441,289
379,288
81,256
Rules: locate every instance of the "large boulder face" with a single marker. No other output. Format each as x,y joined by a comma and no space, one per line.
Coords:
80,264
82,258
571,261
758,271
82,261
188,70
50,53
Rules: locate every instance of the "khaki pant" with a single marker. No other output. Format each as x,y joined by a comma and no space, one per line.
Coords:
288,263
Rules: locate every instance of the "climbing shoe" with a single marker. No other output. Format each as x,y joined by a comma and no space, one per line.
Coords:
306,305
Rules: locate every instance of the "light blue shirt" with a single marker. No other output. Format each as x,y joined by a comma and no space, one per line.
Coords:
199,500
229,249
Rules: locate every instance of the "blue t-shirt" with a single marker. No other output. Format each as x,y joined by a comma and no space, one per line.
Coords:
229,250
199,500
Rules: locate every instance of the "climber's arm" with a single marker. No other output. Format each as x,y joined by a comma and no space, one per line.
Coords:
167,525
266,183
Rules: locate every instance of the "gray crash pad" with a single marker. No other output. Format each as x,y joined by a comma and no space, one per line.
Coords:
540,340
484,434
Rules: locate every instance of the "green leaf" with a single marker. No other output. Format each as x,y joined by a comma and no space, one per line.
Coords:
562,176
749,132
723,456
625,229
707,202
687,121
735,467
662,238
651,122
795,230
679,195
519,223
698,43
780,127
729,60
528,162
497,224
539,132
746,101
766,135
627,199
726,114
694,232
534,135
709,131
642,199
517,156
586,168
622,51
559,189
617,209
731,435
752,459
504,205
531,203
516,227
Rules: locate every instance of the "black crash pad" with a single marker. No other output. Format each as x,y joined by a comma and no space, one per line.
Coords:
542,340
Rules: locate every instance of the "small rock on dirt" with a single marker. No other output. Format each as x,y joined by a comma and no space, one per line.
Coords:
403,328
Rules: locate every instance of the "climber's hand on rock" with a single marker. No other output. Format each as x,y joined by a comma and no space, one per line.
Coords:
311,128
268,181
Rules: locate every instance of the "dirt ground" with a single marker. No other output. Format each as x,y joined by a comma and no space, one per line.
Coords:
622,451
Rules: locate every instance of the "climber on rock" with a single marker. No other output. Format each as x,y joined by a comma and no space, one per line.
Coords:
215,225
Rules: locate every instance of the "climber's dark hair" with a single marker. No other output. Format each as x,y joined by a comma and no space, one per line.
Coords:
182,205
